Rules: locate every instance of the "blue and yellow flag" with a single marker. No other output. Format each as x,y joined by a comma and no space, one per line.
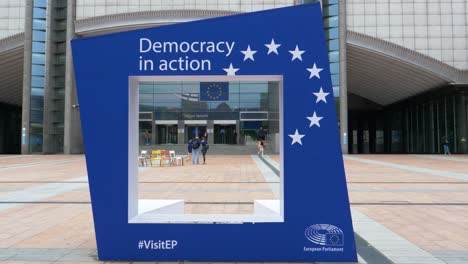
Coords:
214,91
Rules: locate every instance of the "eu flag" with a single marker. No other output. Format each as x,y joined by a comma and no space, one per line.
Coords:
214,91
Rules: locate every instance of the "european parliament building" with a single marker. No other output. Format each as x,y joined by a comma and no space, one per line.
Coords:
399,73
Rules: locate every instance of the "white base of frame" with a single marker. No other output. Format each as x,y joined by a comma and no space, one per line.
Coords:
170,211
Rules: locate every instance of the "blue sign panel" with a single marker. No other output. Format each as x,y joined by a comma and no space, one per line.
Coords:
214,91
287,42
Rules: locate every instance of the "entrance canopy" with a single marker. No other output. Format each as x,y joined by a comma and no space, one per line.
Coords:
379,71
11,69
385,73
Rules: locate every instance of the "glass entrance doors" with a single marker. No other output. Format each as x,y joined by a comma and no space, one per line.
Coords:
166,134
225,134
192,130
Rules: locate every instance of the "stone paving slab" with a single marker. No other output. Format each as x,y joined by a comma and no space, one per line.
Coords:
452,163
412,168
433,225
380,237
462,158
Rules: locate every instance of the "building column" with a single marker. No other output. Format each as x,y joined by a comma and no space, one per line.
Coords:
238,132
180,132
153,131
25,119
210,131
48,141
461,123
343,79
73,141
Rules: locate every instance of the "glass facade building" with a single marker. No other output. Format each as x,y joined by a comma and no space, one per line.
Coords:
417,125
38,62
429,35
169,107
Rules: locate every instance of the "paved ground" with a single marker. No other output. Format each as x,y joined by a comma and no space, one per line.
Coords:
409,208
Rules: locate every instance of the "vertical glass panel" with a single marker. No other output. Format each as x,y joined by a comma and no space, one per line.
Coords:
39,24
336,91
37,92
335,79
35,143
37,69
38,47
334,56
39,13
173,87
335,68
40,3
38,35
37,103
332,10
331,22
36,116
333,45
37,81
146,88
38,58
332,33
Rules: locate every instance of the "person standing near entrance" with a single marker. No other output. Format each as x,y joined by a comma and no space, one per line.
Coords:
223,135
147,137
204,148
195,145
446,146
234,136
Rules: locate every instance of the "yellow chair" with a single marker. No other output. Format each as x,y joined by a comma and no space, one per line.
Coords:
156,155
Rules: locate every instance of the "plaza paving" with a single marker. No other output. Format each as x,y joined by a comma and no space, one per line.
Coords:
406,208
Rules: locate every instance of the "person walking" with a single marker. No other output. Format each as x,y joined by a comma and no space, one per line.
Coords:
260,147
261,134
195,145
204,149
446,146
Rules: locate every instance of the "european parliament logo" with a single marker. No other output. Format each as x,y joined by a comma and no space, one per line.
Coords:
325,235
214,91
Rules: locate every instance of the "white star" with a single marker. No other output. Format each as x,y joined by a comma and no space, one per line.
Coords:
231,70
314,120
297,54
296,138
248,53
272,47
314,71
321,96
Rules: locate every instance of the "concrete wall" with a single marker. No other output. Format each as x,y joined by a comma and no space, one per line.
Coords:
91,8
12,14
437,28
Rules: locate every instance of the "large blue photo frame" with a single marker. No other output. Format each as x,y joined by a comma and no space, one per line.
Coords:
286,43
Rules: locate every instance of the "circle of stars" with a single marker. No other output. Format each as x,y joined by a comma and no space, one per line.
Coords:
211,92
314,72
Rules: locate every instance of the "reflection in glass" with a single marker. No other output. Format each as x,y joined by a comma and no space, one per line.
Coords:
39,13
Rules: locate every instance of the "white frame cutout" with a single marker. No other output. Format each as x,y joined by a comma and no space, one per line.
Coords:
172,211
